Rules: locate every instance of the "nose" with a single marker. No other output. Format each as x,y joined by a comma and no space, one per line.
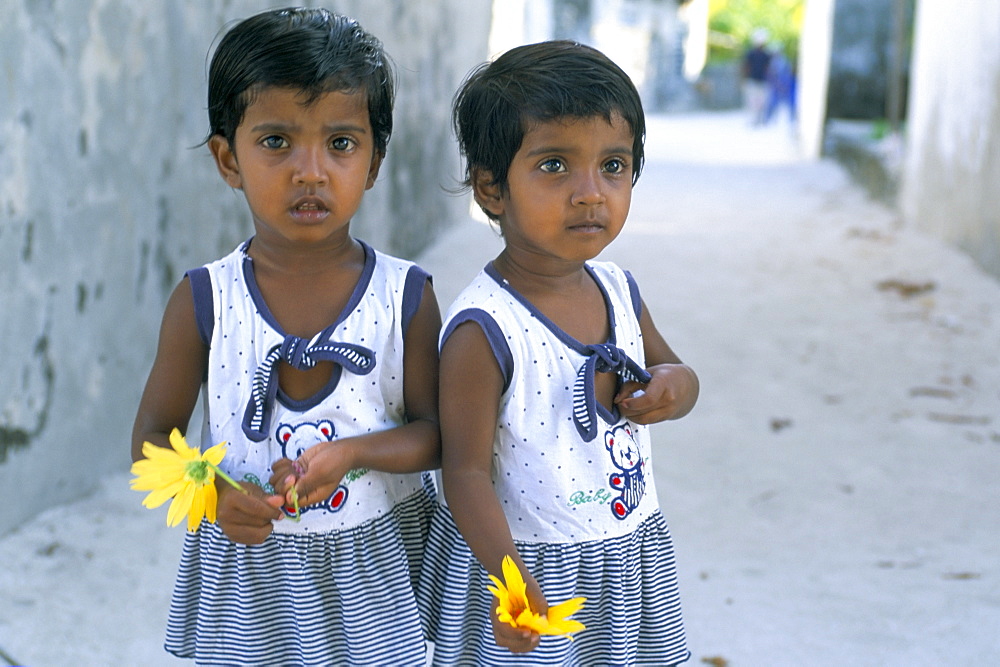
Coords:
588,189
310,166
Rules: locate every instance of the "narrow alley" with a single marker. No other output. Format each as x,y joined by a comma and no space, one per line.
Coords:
833,497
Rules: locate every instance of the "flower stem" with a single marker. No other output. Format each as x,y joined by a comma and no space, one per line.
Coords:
229,479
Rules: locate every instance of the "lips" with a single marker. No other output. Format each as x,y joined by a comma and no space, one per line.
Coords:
587,226
309,204
310,208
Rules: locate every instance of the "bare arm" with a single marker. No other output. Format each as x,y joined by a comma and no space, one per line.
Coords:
168,401
412,447
175,378
471,386
671,393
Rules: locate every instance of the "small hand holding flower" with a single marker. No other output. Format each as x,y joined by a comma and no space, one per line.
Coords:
516,626
515,638
315,475
181,473
247,517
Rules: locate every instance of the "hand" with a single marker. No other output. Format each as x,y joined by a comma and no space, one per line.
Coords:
671,393
515,640
315,475
520,640
246,517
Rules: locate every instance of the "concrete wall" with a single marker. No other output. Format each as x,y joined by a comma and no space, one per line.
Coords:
860,58
815,46
952,165
105,200
646,39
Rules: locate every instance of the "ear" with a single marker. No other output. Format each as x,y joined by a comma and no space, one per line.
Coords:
373,169
486,192
225,161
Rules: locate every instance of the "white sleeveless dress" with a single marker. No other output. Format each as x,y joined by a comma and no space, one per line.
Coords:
336,586
575,483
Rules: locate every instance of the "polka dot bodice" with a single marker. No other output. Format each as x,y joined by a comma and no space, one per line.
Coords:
555,482
245,408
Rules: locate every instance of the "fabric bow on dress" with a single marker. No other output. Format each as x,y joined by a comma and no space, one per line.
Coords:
605,358
297,353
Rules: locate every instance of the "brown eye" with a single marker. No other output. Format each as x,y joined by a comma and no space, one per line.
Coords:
273,141
552,165
341,144
614,166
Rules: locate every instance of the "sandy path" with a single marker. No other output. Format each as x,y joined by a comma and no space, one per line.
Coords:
834,496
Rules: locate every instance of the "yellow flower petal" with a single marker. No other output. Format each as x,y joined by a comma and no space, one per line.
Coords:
211,502
516,588
155,475
157,463
513,608
180,446
529,619
512,600
564,609
504,617
565,627
158,496
183,473
557,621
496,582
197,510
500,591
215,453
181,504
156,453
545,625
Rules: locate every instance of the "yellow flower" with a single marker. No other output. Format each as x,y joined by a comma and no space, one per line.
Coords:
513,607
184,474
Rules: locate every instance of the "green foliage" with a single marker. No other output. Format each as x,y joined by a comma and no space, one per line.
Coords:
732,22
880,129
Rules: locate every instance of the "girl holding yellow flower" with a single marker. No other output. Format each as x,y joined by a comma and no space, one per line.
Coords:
316,359
546,452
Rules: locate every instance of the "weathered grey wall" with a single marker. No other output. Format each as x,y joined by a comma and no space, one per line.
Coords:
105,200
951,175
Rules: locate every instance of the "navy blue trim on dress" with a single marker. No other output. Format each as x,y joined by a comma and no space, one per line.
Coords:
366,358
204,311
573,343
633,291
610,416
413,294
494,336
301,354
352,303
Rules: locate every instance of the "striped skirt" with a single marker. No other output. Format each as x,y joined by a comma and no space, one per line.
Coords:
337,598
632,613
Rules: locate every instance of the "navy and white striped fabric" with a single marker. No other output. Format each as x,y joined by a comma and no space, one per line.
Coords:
632,614
316,599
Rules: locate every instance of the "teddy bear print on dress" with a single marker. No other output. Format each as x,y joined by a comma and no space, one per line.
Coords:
297,439
629,479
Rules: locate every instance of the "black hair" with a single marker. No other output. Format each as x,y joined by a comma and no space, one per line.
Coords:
312,50
539,82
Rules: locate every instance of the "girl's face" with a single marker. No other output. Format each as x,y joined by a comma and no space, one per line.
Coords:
303,169
569,189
